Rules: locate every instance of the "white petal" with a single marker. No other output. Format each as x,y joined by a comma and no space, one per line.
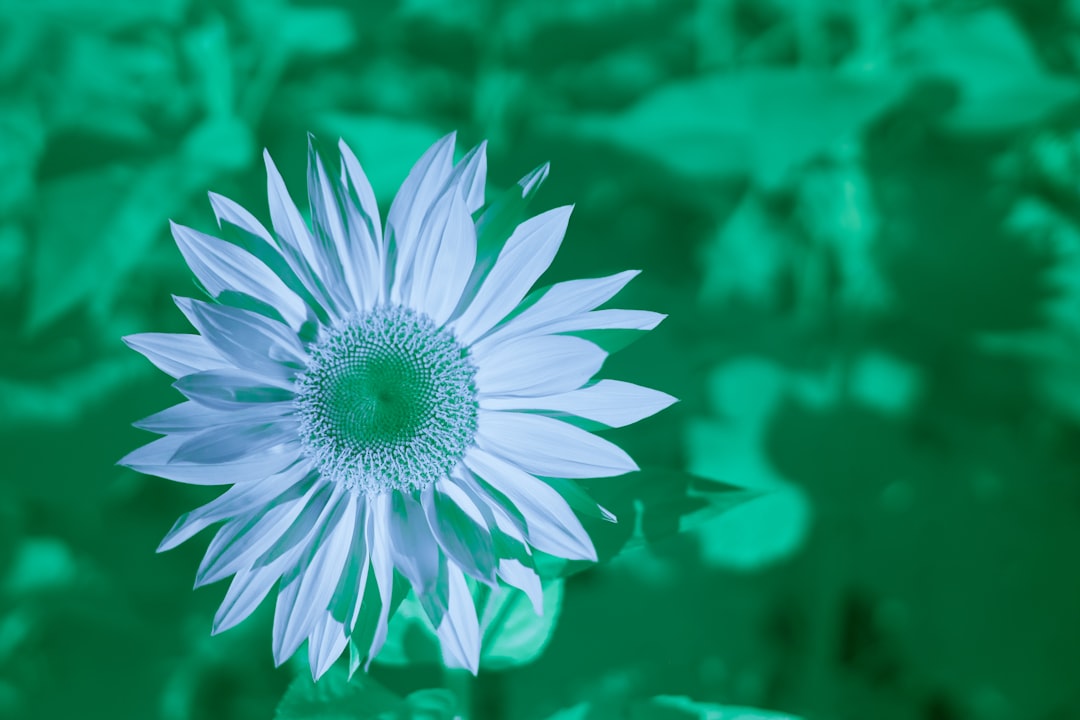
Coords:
247,339
234,502
317,574
231,389
365,227
607,320
175,354
189,416
382,566
156,459
240,541
415,552
445,255
365,267
548,447
337,268
425,182
526,255
311,521
230,443
610,402
470,174
560,301
541,365
349,594
246,591
457,525
222,266
296,242
362,188
228,211
517,575
325,644
534,179
459,632
551,525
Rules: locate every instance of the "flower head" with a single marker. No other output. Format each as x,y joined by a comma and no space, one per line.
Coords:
385,404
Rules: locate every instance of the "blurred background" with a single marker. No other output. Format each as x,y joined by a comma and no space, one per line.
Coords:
862,216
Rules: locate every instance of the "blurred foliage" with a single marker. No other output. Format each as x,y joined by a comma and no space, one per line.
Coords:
863,219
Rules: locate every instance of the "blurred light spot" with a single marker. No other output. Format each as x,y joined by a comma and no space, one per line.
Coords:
885,383
40,564
898,496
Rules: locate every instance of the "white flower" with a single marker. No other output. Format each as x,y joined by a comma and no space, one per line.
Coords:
384,405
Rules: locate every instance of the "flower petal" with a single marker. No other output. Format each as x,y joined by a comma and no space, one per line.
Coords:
316,576
249,340
326,641
176,354
382,566
559,301
238,500
459,631
222,266
416,195
610,402
189,416
338,269
156,459
228,211
515,574
229,443
358,180
415,553
551,525
241,540
541,365
548,447
607,320
232,389
248,588
457,525
470,174
526,255
349,594
365,229
445,255
295,240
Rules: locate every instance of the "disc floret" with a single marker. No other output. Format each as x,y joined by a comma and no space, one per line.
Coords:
387,401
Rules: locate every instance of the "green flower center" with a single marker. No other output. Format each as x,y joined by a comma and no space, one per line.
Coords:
387,402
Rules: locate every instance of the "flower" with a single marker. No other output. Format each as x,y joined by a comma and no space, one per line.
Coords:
387,406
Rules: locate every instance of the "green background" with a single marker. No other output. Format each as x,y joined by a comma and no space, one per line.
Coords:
862,217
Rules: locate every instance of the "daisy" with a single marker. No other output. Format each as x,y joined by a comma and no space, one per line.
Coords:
389,408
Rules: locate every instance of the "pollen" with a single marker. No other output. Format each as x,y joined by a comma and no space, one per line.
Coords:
387,401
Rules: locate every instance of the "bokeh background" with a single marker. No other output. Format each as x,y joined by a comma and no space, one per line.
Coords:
862,216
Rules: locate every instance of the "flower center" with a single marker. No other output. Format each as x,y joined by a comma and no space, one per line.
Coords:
387,402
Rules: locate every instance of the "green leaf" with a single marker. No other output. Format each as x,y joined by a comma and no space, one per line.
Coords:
1001,81
336,697
748,391
759,122
512,633
666,707
432,704
316,31
410,638
651,505
672,707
